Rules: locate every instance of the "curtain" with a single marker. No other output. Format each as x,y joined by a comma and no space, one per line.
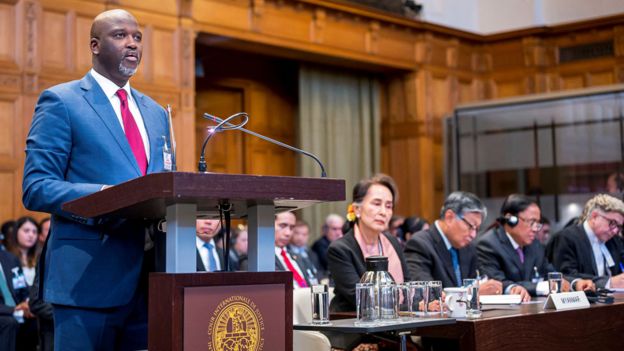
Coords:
339,121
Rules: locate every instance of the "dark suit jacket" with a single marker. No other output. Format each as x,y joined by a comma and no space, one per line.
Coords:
428,259
574,257
320,247
498,259
347,265
75,146
308,264
9,263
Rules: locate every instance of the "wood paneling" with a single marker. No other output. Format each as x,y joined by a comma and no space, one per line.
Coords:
54,43
7,35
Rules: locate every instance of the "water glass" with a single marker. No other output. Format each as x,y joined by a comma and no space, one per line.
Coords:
435,304
473,308
404,302
388,298
320,304
555,280
419,297
367,303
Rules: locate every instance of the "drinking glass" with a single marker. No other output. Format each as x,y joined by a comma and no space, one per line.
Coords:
435,304
367,303
320,304
419,297
388,297
404,302
473,308
555,280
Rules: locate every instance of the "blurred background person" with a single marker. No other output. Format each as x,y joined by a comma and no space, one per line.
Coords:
238,246
412,225
298,249
332,230
543,234
373,204
23,244
7,228
209,256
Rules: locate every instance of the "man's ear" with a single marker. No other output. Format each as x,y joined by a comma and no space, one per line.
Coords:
95,46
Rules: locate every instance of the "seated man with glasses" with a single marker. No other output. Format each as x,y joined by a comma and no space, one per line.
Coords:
510,253
445,251
592,249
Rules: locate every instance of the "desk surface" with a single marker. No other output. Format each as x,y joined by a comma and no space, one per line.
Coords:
529,326
349,326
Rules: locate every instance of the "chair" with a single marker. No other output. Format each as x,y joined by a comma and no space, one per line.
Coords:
302,313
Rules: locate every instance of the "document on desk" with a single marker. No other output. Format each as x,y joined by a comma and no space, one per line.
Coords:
500,299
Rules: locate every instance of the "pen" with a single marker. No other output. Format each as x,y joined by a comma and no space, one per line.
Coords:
621,267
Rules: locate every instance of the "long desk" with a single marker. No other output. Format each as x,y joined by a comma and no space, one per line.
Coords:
530,327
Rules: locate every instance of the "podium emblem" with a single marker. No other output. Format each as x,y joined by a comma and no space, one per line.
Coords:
236,325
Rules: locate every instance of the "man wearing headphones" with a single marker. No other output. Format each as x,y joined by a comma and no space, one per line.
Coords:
510,253
592,249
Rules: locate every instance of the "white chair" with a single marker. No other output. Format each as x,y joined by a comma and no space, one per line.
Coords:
302,313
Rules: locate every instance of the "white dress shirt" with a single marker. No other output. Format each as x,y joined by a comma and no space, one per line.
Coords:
278,254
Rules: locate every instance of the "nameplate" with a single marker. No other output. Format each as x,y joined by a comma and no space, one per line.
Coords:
566,301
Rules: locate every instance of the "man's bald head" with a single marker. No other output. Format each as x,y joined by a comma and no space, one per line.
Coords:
104,19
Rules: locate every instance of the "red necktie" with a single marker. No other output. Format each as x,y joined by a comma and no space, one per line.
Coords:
302,283
132,132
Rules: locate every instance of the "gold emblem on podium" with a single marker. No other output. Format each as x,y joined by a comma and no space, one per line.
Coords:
236,325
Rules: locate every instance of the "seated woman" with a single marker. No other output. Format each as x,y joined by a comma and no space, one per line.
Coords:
373,204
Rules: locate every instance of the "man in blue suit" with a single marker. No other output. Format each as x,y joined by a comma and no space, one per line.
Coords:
87,135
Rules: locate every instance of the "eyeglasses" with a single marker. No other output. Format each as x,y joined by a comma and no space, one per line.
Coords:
470,225
613,224
533,223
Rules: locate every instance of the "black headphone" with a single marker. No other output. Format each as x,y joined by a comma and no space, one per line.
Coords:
511,220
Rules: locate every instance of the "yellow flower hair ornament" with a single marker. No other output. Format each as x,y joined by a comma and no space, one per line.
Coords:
350,213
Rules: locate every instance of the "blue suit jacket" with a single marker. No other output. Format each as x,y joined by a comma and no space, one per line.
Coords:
75,146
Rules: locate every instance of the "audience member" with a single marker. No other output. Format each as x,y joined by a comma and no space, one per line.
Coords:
7,228
373,203
590,249
298,249
16,321
209,256
284,225
411,226
332,230
615,184
394,227
23,244
238,246
510,253
445,251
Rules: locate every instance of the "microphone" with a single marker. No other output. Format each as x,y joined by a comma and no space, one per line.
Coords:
201,166
172,141
292,148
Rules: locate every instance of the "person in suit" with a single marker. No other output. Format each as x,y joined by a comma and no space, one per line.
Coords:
87,135
332,230
510,253
591,249
298,248
284,225
209,255
16,320
371,209
445,251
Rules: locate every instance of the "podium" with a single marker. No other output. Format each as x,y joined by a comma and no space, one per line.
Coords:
248,308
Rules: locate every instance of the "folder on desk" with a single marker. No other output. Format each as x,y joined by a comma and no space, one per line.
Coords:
500,299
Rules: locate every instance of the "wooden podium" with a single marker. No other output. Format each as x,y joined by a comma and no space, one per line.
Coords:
223,308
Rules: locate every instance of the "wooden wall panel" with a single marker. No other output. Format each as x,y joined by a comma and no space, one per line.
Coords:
8,49
601,78
345,33
274,19
54,42
163,58
576,81
82,43
8,114
8,204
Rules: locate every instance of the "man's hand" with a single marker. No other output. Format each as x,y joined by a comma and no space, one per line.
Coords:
617,281
491,287
565,285
584,285
520,290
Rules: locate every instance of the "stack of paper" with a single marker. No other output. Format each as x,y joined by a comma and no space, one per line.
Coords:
500,299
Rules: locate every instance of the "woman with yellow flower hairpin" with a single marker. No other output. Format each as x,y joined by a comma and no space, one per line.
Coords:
368,215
